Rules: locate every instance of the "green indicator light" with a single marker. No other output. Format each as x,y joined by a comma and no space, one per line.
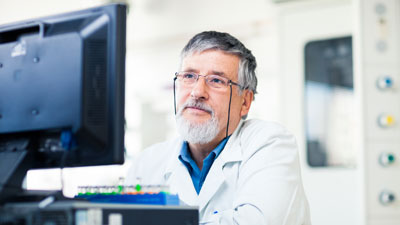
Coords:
138,187
391,158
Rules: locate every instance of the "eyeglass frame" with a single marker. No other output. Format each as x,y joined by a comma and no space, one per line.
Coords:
230,82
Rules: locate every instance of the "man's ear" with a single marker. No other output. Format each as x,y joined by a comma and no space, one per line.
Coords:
247,100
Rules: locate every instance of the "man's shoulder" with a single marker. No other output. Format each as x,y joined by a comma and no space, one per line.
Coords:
269,137
151,164
259,128
162,148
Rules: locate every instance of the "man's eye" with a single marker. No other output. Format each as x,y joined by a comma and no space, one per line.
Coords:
217,80
188,76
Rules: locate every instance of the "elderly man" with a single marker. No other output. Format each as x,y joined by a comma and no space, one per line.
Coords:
236,171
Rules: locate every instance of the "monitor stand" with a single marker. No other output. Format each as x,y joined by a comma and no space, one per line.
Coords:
14,164
15,161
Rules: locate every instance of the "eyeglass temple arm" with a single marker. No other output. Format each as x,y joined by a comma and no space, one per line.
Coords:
174,95
234,83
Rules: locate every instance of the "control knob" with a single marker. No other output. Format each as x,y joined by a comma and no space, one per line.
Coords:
384,83
386,197
386,159
385,120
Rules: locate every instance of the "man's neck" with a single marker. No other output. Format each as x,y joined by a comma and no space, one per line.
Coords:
200,151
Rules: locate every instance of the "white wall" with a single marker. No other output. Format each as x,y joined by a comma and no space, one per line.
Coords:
17,10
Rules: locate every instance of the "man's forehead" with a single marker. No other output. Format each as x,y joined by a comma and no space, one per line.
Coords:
212,50
211,62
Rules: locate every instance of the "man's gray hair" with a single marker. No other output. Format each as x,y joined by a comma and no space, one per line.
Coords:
225,42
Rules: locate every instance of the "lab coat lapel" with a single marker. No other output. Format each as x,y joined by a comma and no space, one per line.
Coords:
180,182
215,177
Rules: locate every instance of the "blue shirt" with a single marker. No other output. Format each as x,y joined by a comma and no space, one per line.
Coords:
198,176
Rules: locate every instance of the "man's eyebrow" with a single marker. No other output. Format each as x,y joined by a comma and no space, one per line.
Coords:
190,70
219,73
213,72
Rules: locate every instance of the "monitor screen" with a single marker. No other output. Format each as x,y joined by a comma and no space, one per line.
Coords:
62,86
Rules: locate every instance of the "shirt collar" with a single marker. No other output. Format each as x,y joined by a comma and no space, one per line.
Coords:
186,157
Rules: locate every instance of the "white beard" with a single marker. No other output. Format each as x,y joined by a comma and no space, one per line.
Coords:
197,133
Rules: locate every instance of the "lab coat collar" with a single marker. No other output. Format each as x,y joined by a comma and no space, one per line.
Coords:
233,153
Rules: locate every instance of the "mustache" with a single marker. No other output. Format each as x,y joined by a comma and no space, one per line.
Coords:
196,104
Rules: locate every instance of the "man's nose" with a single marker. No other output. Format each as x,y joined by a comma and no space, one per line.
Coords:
199,90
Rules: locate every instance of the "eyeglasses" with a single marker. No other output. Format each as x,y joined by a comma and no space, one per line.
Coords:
188,79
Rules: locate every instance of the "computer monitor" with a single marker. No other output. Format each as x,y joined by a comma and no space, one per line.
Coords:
62,87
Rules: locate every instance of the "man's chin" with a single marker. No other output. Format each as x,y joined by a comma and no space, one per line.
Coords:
197,122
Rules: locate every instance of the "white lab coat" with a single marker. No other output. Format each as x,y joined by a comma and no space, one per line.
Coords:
254,181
